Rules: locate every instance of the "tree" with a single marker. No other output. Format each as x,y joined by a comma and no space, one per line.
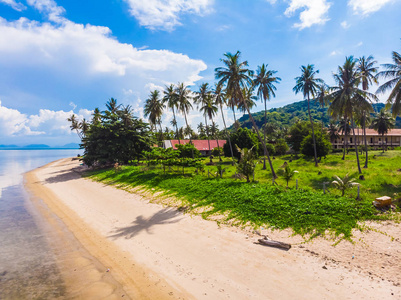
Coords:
344,184
219,100
75,125
204,101
183,101
366,68
382,123
281,147
153,110
332,131
297,133
345,129
170,98
322,143
309,86
246,166
264,81
288,174
346,96
236,76
393,73
118,137
243,138
321,98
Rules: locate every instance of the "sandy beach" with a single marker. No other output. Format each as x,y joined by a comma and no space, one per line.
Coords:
123,244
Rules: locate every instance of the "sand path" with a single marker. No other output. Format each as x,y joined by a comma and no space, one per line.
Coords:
157,252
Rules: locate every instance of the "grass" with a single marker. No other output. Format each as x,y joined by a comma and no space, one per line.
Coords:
306,210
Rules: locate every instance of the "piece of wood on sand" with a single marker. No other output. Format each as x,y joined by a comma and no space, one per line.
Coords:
266,242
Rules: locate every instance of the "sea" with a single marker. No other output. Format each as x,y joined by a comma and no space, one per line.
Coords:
28,268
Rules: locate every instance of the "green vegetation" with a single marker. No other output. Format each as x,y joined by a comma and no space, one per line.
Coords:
306,210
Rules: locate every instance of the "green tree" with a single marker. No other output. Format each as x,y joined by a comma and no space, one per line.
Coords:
393,73
154,109
246,165
309,86
183,101
323,145
265,83
281,147
344,184
170,98
332,131
243,138
382,123
346,97
236,76
204,101
297,133
366,68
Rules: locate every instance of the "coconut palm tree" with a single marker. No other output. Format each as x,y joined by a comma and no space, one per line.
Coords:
309,86
184,104
345,129
321,98
393,73
366,68
220,100
75,125
96,116
249,99
265,83
344,184
154,107
333,132
382,123
346,96
170,98
236,76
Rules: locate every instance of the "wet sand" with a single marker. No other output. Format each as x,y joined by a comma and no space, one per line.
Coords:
156,252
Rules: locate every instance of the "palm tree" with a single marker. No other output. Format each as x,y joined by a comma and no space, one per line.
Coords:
344,184
333,132
321,98
201,129
382,123
220,99
264,81
154,109
366,68
96,116
204,101
112,107
236,76
393,72
346,96
345,129
170,98
75,125
309,86
249,98
184,105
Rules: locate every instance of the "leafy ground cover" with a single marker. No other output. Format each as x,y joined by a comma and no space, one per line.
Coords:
305,210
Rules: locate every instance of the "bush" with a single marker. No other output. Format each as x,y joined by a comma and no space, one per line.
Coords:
323,145
187,150
243,138
217,151
281,147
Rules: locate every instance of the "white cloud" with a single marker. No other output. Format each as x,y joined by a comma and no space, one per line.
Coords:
50,8
314,12
334,52
12,122
14,4
164,14
366,7
345,25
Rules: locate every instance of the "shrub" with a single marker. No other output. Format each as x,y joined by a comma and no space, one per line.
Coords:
281,147
217,151
323,145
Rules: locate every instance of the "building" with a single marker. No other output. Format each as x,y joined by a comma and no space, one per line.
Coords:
201,145
373,139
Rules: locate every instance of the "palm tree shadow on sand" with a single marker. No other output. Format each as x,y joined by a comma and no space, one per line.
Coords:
164,216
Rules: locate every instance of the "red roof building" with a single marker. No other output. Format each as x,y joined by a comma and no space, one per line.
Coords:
373,138
201,145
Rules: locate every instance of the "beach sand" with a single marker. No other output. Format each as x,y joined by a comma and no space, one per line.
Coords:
125,245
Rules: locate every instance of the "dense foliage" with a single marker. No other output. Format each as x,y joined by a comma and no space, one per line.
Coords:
115,136
243,138
323,145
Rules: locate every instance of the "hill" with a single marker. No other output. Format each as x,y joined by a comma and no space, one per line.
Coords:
291,113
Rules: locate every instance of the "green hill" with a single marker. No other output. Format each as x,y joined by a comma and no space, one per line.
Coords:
291,113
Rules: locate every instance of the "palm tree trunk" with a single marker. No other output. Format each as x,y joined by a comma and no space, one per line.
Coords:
207,133
313,134
366,144
161,131
218,146
190,135
176,127
345,137
260,138
356,145
228,135
264,134
383,141
235,119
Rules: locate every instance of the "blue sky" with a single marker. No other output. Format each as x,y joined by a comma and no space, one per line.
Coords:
63,57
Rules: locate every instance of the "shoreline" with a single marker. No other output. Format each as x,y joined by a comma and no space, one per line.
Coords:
157,252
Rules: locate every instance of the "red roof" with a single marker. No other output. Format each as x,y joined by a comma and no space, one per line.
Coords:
391,132
201,145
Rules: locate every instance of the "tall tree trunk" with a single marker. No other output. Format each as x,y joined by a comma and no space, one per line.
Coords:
383,141
235,119
345,137
207,133
161,131
366,144
190,134
218,146
356,146
313,134
228,134
176,128
260,138
264,135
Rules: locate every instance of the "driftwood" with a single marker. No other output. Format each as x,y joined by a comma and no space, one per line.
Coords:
275,244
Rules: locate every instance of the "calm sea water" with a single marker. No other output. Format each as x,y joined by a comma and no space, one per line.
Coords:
27,266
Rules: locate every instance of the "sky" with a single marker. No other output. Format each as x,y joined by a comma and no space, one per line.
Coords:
63,57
